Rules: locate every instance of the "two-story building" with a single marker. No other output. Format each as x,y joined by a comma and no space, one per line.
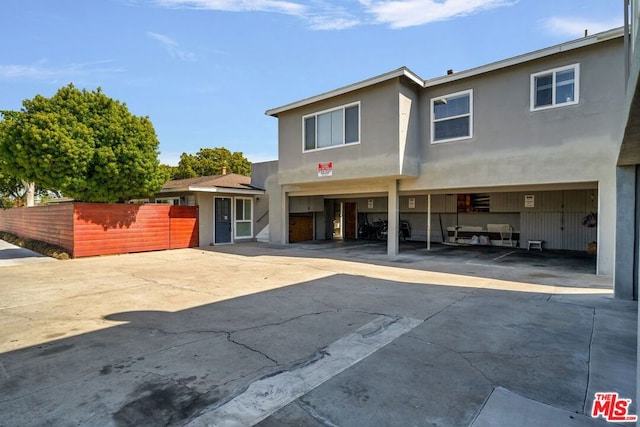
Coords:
530,142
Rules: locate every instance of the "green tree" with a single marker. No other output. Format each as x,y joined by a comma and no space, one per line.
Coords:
84,144
210,161
169,171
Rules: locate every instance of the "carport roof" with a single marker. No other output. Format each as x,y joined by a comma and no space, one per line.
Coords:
229,183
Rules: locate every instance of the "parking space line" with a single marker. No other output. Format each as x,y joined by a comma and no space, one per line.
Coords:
265,396
488,265
503,255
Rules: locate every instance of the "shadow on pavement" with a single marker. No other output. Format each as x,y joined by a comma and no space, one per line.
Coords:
163,368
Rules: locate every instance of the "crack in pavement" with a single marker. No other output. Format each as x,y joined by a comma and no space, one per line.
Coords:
469,362
284,385
251,348
586,391
313,413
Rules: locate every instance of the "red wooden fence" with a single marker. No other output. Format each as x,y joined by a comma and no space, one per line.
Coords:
88,229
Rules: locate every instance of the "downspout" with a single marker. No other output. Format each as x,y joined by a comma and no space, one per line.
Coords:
429,221
627,44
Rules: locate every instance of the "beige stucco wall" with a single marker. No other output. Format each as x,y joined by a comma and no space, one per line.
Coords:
515,146
380,151
205,207
206,220
512,145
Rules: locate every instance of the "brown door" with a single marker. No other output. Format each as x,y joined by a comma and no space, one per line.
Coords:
350,220
300,227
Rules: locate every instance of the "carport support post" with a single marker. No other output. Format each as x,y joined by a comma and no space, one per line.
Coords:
284,237
625,276
428,222
393,219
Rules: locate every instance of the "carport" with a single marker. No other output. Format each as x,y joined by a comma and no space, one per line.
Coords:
561,219
576,262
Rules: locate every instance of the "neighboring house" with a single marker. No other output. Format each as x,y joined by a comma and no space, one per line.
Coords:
229,206
531,142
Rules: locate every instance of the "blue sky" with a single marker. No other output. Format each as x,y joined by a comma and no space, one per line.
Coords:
205,71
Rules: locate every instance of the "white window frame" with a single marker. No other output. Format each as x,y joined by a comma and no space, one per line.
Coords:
236,221
344,123
554,72
434,121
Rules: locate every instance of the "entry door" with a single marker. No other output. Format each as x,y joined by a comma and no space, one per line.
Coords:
350,220
222,226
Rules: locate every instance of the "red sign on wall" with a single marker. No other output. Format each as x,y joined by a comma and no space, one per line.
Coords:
325,169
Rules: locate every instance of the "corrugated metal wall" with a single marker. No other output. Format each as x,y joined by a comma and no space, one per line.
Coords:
555,217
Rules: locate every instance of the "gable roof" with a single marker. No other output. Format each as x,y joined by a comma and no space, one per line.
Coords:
400,72
229,183
406,72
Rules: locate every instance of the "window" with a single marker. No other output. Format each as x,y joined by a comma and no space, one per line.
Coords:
175,201
244,218
452,117
555,88
332,128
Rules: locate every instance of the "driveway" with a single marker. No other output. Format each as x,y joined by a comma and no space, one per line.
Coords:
311,336
15,255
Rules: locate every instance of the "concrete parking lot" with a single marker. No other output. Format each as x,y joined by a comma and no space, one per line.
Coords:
312,335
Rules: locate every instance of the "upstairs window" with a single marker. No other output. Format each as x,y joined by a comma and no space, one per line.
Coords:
555,88
452,117
332,128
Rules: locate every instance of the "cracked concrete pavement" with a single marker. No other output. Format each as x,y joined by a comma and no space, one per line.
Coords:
169,338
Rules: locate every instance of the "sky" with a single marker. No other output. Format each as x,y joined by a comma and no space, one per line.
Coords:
205,71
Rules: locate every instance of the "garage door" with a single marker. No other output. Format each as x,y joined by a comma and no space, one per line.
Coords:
300,227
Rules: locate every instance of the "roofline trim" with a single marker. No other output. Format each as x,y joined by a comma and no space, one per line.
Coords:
400,72
212,190
406,72
531,56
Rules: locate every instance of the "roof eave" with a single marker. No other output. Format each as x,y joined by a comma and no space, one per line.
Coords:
400,72
531,56
196,189
406,72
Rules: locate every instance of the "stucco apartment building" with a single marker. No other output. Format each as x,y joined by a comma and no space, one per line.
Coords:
530,142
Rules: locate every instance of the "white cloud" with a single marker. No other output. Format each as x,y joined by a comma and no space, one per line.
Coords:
332,23
409,13
278,6
45,72
575,27
172,46
328,15
322,16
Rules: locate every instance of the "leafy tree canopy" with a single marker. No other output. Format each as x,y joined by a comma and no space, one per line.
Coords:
169,171
84,144
210,161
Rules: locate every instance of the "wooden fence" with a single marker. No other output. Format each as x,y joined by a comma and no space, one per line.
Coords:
88,229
